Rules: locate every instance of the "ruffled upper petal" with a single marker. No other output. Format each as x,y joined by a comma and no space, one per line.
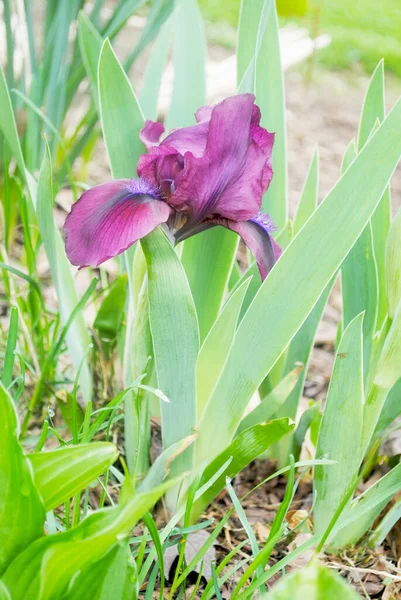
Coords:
109,218
150,134
228,181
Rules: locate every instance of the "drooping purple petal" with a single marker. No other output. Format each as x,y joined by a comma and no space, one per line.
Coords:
256,233
189,139
228,181
109,218
150,134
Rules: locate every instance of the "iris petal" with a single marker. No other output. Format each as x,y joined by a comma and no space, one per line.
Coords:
109,218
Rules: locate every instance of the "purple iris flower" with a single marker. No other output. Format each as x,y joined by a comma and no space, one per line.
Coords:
212,173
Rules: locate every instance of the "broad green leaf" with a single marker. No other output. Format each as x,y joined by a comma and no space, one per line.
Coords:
175,334
216,346
59,474
305,422
4,593
9,356
77,337
340,434
21,511
247,446
110,577
189,56
373,109
121,116
359,280
269,88
363,511
90,42
309,196
208,259
389,367
152,76
272,402
314,582
45,569
390,411
390,519
393,265
296,282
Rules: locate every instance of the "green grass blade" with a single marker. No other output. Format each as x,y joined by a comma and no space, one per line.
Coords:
9,356
295,283
174,327
59,474
8,124
78,338
389,366
20,503
121,116
216,346
393,265
90,43
340,434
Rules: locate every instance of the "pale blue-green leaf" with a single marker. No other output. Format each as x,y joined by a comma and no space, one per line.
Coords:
340,434
393,265
216,346
121,115
389,366
296,282
90,43
189,57
309,196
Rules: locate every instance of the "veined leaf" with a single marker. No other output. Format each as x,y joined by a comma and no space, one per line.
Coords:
21,511
175,334
309,196
46,567
295,283
216,346
340,434
59,474
247,446
110,577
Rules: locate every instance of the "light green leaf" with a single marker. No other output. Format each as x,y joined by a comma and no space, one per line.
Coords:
59,474
90,43
189,50
247,446
121,115
269,88
4,593
174,327
272,402
295,283
389,366
365,509
208,258
45,569
393,265
110,315
314,582
373,109
359,280
110,577
340,434
214,350
152,76
8,125
309,196
21,511
78,338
